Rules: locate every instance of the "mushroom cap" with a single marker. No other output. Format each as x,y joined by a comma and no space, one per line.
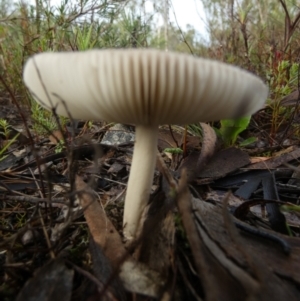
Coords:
142,86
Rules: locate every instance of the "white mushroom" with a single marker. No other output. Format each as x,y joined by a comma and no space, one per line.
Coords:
146,88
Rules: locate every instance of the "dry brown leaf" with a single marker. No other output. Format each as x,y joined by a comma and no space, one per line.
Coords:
106,236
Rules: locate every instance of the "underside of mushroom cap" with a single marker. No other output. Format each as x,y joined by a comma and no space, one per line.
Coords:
141,86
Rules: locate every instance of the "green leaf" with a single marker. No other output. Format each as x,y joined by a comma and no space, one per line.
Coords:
231,128
248,141
173,150
2,151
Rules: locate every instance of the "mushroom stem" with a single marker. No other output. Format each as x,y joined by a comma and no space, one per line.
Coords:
140,178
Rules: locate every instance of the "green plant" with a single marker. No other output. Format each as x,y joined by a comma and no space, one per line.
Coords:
6,146
231,128
195,129
228,131
283,79
84,37
5,128
59,146
248,141
174,150
43,121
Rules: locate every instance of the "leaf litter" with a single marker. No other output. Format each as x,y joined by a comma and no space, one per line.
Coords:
62,214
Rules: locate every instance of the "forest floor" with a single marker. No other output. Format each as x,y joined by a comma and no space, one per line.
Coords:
229,232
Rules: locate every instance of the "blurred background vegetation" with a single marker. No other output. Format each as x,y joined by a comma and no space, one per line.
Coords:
261,36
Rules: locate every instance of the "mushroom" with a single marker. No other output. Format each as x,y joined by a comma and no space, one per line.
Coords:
145,88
